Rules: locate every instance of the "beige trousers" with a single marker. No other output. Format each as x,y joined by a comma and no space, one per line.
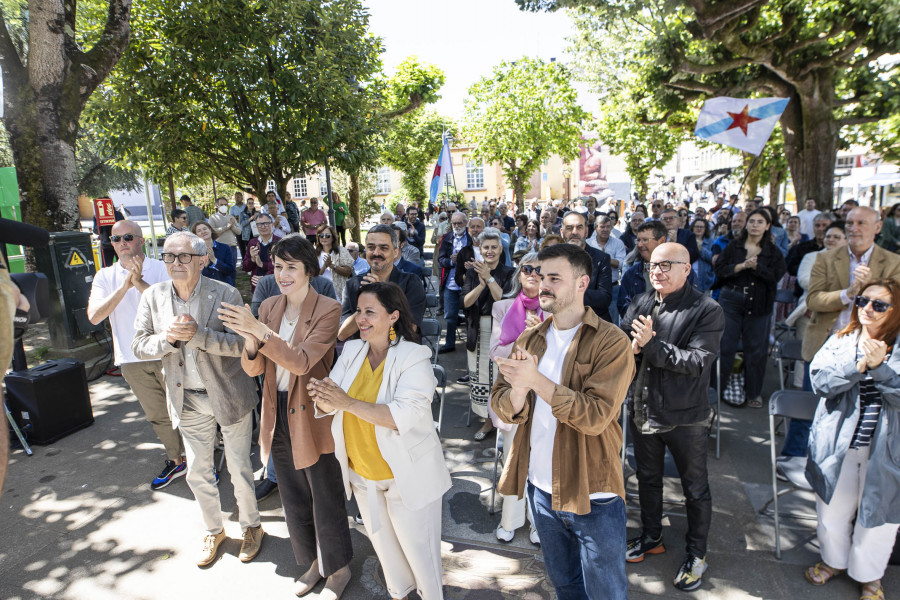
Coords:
147,383
407,542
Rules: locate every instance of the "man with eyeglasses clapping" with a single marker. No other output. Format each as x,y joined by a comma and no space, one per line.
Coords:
115,293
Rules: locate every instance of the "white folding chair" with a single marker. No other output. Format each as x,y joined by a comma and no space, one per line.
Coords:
787,404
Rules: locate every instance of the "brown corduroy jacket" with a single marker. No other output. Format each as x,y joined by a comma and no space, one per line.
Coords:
587,402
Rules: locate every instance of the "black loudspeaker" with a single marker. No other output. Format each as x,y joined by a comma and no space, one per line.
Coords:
49,401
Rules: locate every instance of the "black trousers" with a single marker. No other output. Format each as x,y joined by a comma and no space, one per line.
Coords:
342,233
313,501
753,332
688,445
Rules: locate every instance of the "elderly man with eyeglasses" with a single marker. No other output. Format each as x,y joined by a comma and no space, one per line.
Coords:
115,293
257,261
206,388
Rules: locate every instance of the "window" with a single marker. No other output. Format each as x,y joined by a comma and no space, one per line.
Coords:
474,175
323,183
845,162
299,187
270,187
383,180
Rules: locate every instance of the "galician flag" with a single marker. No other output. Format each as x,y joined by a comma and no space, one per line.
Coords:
741,123
443,168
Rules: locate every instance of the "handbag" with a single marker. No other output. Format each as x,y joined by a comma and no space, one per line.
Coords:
349,222
733,394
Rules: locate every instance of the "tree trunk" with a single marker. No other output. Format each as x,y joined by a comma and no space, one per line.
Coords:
810,140
171,189
776,178
519,192
642,189
751,175
43,100
353,206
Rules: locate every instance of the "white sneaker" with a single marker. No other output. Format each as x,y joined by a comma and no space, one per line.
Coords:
533,536
503,535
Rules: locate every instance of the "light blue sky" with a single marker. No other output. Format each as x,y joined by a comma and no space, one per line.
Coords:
466,38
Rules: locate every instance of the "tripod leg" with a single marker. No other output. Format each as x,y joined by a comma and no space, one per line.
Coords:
19,435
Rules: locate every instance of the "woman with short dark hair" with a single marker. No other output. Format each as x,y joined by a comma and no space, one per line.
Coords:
293,342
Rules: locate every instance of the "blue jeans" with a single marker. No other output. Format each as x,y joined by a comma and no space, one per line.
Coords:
584,554
451,315
796,440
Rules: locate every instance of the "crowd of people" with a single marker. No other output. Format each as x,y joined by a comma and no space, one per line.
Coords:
567,317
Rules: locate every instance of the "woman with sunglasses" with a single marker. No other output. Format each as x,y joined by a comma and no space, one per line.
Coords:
220,264
518,310
747,273
335,263
854,445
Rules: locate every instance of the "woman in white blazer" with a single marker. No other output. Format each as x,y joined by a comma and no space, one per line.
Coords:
380,393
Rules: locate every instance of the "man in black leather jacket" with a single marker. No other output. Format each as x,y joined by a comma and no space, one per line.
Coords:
675,332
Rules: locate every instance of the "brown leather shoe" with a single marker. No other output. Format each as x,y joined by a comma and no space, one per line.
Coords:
250,547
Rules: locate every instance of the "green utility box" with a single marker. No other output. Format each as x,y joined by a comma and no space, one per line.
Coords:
68,263
9,209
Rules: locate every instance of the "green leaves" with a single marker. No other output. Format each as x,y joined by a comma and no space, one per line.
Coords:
521,115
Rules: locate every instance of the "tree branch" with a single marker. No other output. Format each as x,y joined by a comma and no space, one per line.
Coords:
100,60
714,16
687,66
858,120
10,60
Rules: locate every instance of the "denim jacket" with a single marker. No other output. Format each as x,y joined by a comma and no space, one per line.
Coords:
835,378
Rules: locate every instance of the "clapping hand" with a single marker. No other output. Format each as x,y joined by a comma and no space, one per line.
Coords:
483,271
861,276
874,352
182,329
520,369
532,319
241,320
328,395
641,333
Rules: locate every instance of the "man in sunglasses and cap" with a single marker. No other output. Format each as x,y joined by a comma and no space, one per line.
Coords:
115,293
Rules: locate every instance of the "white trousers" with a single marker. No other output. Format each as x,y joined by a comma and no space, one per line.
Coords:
512,515
407,542
864,552
198,428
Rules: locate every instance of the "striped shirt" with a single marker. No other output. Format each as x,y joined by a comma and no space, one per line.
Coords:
870,403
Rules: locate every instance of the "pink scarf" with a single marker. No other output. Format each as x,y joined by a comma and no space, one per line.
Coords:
514,321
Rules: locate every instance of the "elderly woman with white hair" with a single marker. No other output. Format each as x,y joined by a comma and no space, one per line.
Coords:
485,283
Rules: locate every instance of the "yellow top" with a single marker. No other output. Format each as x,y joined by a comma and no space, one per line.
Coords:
359,435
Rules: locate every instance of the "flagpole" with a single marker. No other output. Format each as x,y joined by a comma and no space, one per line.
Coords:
747,174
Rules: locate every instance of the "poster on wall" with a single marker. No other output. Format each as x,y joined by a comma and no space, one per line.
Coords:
591,174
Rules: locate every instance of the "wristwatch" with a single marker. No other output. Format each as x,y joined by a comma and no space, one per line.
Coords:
491,280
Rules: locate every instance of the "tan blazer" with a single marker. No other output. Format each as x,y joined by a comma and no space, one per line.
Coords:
308,354
217,350
830,275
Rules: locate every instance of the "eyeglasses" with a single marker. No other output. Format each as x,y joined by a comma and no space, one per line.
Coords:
324,236
263,224
128,237
184,258
877,305
664,266
529,269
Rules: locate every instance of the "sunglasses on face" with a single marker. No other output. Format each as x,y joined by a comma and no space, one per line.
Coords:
184,258
877,305
529,269
324,236
128,237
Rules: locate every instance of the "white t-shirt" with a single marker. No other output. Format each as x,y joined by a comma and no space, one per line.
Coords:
106,282
807,218
543,423
282,375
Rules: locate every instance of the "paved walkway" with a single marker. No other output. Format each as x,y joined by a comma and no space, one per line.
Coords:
78,521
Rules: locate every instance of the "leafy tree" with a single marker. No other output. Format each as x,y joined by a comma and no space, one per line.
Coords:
412,145
824,56
627,128
522,114
245,90
48,77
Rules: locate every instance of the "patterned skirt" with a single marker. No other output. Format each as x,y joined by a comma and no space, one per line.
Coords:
481,369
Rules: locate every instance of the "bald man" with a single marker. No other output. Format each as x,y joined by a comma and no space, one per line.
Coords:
675,332
116,293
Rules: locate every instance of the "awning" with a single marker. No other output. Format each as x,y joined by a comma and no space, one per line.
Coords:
692,178
881,179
